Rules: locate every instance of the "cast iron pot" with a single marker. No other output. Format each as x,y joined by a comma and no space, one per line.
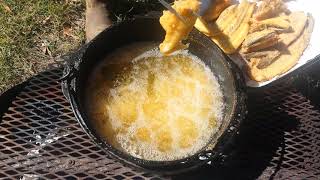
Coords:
80,66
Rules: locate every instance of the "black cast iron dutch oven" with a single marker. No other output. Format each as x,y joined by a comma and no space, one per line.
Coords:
76,75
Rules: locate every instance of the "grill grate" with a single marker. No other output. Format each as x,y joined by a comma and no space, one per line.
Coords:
40,138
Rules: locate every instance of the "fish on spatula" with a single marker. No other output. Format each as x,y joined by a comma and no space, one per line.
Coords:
178,29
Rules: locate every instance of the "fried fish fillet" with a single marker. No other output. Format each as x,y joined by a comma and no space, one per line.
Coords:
286,60
231,28
177,30
242,15
263,58
270,8
215,9
271,52
226,17
280,23
232,37
217,27
298,21
205,27
259,40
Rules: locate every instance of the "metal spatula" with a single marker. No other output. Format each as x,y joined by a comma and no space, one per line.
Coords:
168,6
205,4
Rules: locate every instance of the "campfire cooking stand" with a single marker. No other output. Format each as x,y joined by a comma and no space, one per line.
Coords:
40,138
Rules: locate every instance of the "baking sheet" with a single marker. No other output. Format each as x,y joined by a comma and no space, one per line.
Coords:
313,49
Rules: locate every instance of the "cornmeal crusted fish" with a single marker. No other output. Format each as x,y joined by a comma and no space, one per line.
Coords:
298,21
260,54
259,40
280,23
286,60
231,28
177,30
215,9
217,27
264,58
270,8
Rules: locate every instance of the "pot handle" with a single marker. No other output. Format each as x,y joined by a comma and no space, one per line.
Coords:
71,67
72,62
66,82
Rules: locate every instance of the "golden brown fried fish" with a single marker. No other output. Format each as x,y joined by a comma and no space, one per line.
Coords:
215,9
263,58
280,23
217,27
298,21
231,28
286,60
270,8
259,40
234,34
177,30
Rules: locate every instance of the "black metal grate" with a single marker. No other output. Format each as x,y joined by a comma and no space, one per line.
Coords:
40,139
280,139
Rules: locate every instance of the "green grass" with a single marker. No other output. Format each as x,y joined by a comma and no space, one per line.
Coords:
32,35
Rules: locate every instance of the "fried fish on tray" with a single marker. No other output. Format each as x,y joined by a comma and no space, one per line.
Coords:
227,16
269,53
206,28
176,29
298,21
262,58
234,34
217,27
286,60
270,8
231,28
279,24
259,40
242,15
215,9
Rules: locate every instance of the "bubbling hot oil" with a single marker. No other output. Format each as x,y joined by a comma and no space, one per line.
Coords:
161,108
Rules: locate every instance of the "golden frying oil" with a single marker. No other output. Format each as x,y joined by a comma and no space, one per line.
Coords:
154,107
